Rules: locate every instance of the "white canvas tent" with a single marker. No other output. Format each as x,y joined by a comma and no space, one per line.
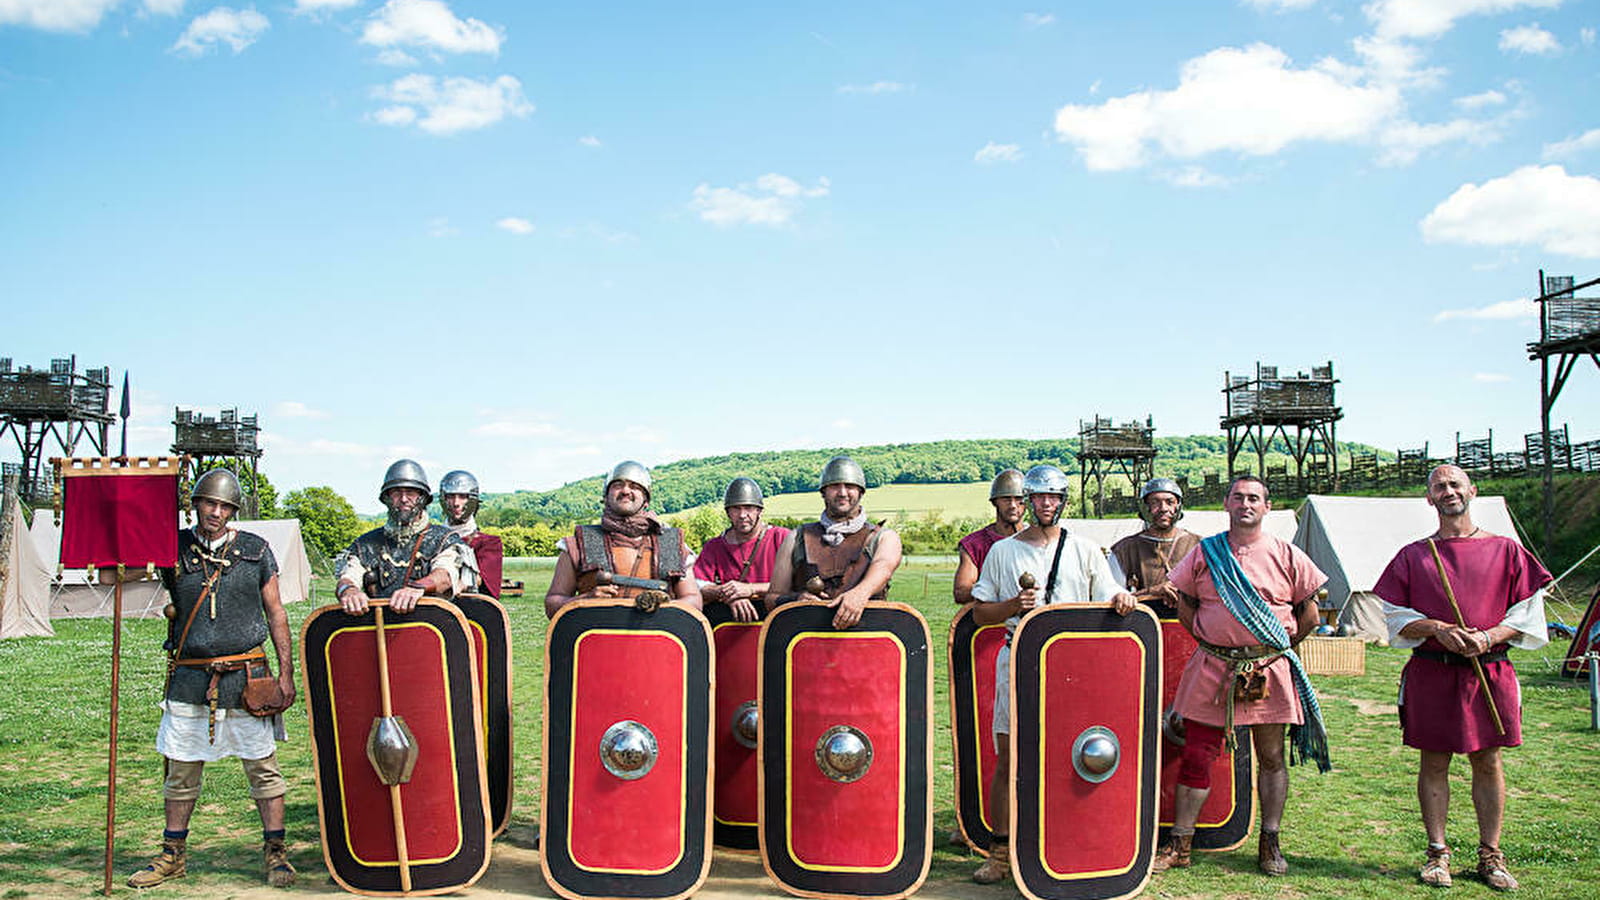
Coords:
1204,522
24,578
75,597
1352,539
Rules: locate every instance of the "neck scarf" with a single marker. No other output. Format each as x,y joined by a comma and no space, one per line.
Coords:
833,533
465,529
637,525
1308,741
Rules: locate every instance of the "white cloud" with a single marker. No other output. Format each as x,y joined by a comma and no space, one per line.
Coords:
294,409
1589,140
1431,18
221,25
1529,39
1038,20
514,428
1279,5
450,105
55,15
772,200
318,7
1505,309
1194,177
1586,35
514,225
1490,377
992,153
1474,102
1401,142
1538,205
440,227
430,24
876,87
843,423
1248,100
589,140
163,7
396,57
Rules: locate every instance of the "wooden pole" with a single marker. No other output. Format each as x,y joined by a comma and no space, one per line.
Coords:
396,806
116,678
1477,664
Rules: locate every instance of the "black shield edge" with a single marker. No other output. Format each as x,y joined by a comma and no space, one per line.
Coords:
469,864
1031,877
490,615
560,871
729,835
1233,831
911,630
966,732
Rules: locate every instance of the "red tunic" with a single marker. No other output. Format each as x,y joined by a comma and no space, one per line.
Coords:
491,558
1441,705
977,544
720,562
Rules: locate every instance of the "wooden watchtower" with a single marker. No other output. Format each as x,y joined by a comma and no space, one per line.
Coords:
229,440
1569,329
1128,449
1297,409
59,406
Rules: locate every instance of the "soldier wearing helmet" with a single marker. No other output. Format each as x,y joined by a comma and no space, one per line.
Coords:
232,575
407,557
1065,568
629,545
853,557
1144,559
1005,495
458,499
735,567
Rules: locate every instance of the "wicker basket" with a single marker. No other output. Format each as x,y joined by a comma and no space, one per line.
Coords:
1334,655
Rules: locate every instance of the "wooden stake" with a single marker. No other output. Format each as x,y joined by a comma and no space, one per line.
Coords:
1477,664
111,775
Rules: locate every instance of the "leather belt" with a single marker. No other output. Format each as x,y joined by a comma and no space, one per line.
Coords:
1456,659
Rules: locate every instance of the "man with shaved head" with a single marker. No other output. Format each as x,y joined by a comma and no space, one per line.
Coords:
1459,598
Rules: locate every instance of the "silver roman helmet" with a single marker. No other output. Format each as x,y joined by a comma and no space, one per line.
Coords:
628,470
406,473
743,491
460,481
842,470
1007,484
1044,479
220,485
1161,485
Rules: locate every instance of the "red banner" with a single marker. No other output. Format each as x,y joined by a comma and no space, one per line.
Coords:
118,515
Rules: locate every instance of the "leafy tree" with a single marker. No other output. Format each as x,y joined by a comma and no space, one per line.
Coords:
327,520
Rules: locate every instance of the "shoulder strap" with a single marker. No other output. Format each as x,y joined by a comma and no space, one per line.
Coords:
1055,566
745,569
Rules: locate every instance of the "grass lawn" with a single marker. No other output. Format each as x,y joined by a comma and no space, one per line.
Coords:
1351,833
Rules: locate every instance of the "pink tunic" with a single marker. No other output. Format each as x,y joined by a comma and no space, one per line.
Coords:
1283,575
976,545
720,562
1441,705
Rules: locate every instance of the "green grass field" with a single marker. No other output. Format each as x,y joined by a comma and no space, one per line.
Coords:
1352,833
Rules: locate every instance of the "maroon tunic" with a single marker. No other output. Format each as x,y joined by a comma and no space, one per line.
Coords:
720,562
1441,705
491,558
976,545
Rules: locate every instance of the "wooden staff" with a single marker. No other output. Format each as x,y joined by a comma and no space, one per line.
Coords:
395,804
111,775
1477,664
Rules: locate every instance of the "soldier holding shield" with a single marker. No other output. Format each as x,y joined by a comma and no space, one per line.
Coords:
1005,495
842,557
1146,558
458,499
407,557
1073,569
735,567
629,554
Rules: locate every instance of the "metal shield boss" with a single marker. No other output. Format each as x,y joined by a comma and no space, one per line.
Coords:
736,718
846,751
402,797
1225,819
627,736
972,651
1085,750
490,627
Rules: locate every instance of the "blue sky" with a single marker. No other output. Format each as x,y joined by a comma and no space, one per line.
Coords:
533,239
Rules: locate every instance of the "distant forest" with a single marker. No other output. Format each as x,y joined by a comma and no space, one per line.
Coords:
693,482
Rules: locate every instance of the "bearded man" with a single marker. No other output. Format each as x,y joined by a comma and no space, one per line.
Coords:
407,557
458,499
735,567
629,554
1146,558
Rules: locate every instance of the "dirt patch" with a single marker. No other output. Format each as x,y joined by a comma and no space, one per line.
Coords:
1365,707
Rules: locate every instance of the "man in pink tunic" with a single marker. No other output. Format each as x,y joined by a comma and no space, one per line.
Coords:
735,567
1287,580
1005,495
1458,693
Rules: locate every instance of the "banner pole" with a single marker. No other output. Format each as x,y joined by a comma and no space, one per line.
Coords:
116,677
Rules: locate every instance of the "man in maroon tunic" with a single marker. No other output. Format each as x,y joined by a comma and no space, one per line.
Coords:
458,497
1459,598
735,567
1005,495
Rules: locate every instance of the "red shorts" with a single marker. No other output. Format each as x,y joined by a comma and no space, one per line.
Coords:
1202,745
